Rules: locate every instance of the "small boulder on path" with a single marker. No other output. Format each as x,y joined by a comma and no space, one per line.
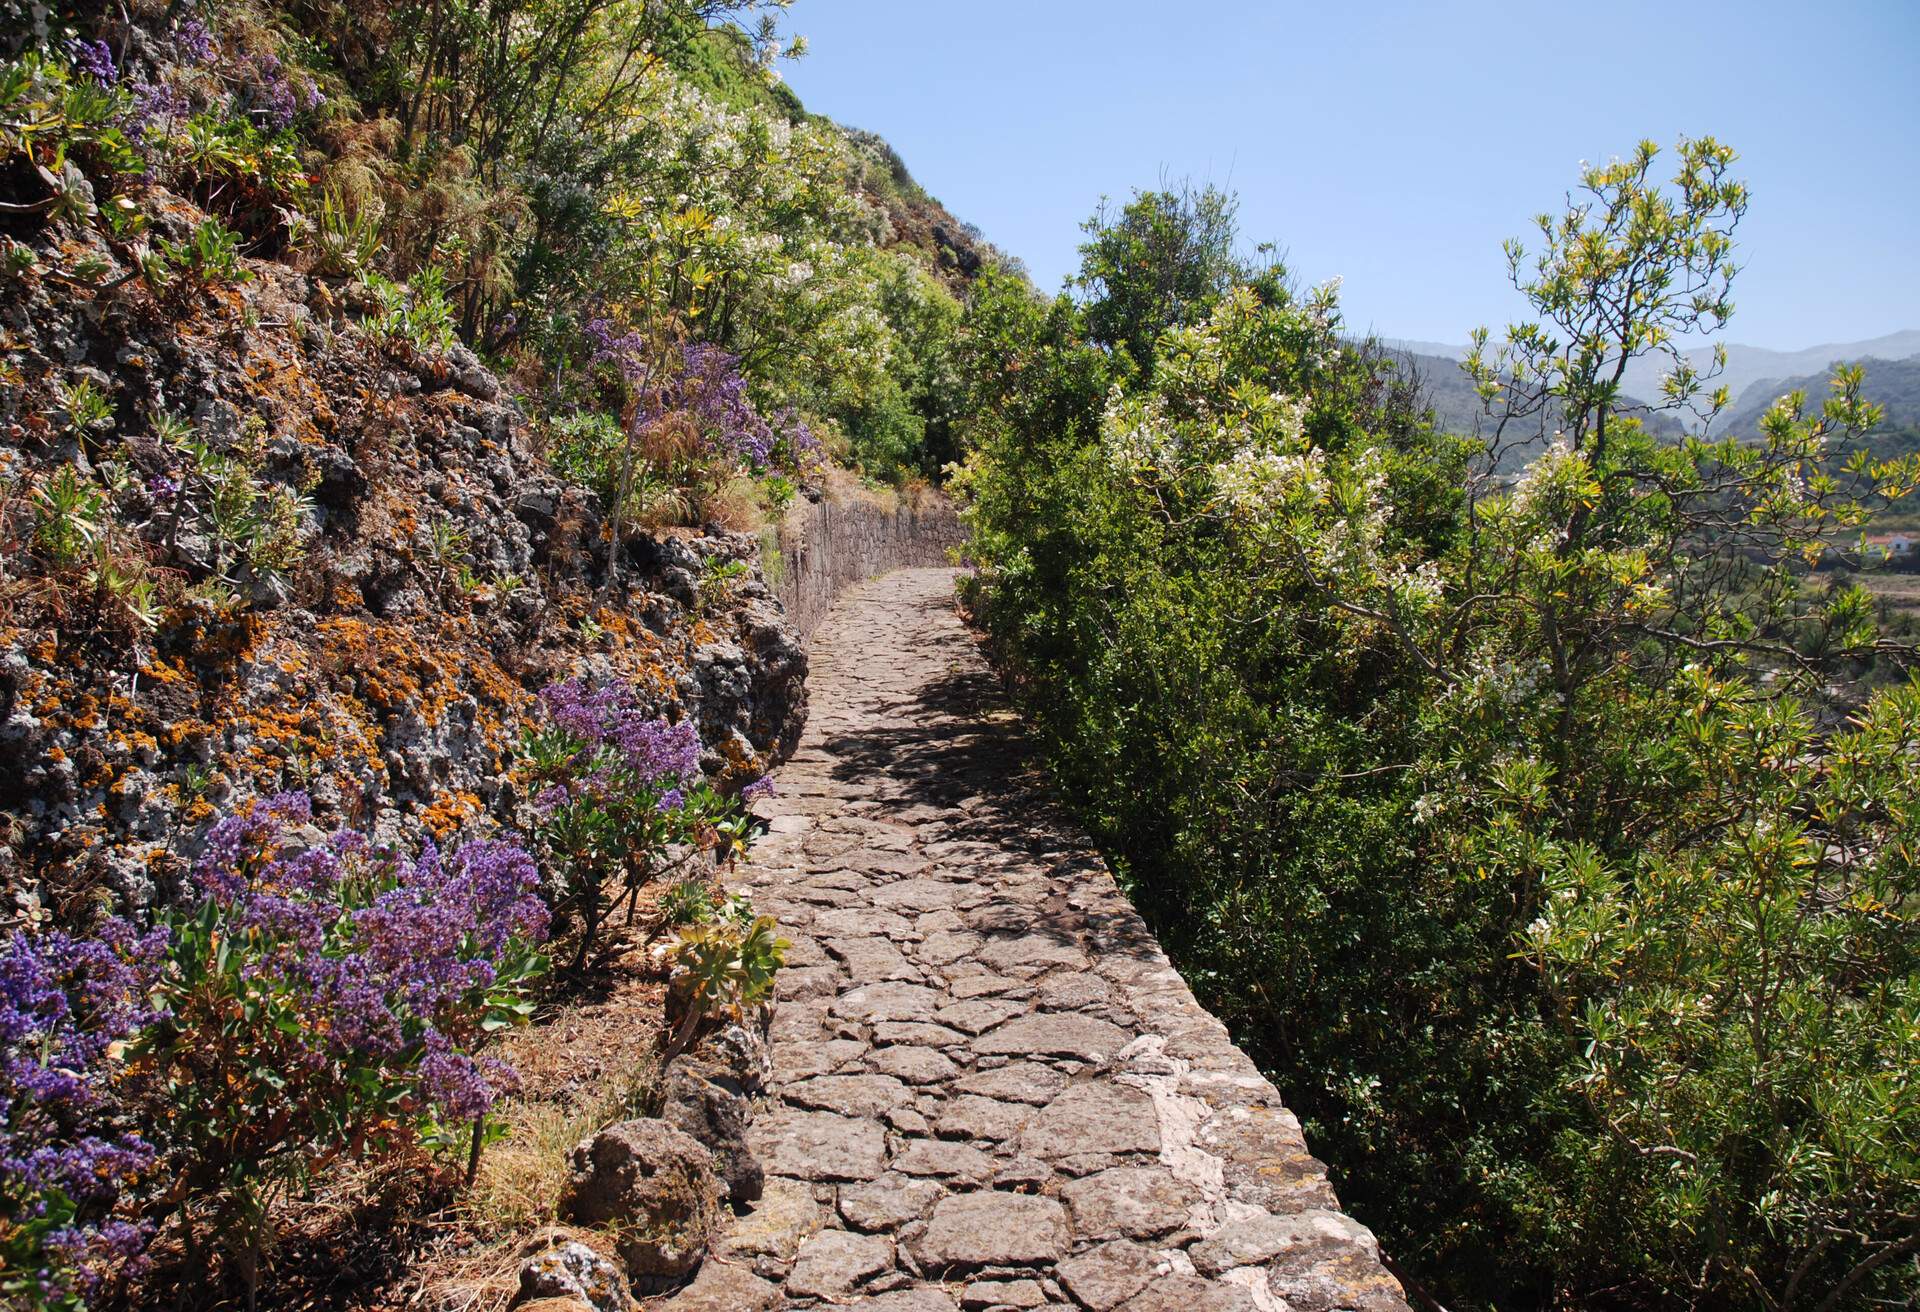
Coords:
656,1185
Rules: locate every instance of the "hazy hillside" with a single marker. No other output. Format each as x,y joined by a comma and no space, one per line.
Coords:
1456,406
1747,366
1893,384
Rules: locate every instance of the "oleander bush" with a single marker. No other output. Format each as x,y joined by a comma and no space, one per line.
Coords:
1551,838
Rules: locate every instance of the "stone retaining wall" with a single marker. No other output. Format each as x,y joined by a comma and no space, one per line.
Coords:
829,545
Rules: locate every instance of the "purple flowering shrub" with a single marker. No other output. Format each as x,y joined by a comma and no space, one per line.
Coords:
329,999
689,418
274,95
67,1005
710,388
194,41
618,800
94,59
325,999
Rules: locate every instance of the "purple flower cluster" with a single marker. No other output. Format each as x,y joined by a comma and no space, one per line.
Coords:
464,1087
714,392
709,389
95,59
759,788
272,93
195,41
65,1003
605,716
154,103
92,1251
802,447
626,351
383,955
275,94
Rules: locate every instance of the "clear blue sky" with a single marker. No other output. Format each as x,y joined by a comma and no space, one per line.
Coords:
1396,143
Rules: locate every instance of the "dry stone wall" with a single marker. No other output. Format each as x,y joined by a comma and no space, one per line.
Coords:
829,545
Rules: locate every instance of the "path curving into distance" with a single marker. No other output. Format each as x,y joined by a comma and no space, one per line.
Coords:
991,1089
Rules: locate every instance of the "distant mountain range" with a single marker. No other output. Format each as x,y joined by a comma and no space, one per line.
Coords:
1894,385
1754,374
1456,406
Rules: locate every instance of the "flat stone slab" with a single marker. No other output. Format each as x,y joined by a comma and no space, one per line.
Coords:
769,1237
888,1001
928,1157
818,1145
1129,1202
1017,1294
994,1229
913,1065
990,1089
1091,1119
889,1202
833,1262
720,1287
971,1117
849,1095
1019,1082
1056,1034
907,1300
1103,1278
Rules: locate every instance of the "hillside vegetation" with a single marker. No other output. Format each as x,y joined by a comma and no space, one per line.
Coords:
394,401
1551,838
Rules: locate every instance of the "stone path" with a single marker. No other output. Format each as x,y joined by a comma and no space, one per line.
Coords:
991,1090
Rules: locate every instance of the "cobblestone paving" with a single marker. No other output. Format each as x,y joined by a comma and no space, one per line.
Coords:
991,1089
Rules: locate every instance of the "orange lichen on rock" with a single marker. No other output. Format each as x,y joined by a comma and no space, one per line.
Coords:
448,813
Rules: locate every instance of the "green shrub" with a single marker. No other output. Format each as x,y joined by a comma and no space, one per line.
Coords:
211,254
71,515
416,315
720,968
1486,810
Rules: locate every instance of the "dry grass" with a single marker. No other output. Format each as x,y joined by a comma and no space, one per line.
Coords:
734,505
518,1185
589,1061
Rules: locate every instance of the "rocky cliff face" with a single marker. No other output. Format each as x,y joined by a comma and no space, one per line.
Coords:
252,546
